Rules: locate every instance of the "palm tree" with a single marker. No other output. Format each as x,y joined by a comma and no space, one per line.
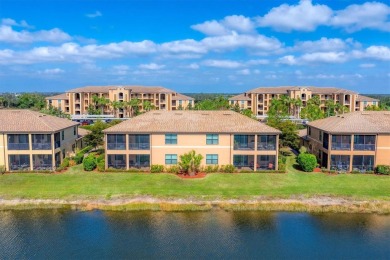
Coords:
134,106
147,105
116,105
100,102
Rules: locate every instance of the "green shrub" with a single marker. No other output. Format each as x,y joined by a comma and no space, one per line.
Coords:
157,168
100,157
282,167
190,162
282,159
60,168
89,162
211,168
229,168
173,169
383,169
2,169
101,166
302,149
307,161
285,151
65,162
78,158
85,150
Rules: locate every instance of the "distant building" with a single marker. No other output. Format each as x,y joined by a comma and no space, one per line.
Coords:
259,99
222,137
76,101
34,141
356,141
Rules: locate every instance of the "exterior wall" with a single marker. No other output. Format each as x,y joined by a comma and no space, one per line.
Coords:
187,142
382,155
65,148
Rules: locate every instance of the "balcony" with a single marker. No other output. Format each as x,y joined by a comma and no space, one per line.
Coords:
116,146
139,146
18,146
116,161
244,146
364,147
266,146
266,142
41,146
139,161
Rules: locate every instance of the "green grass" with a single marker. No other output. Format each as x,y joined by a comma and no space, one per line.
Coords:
77,184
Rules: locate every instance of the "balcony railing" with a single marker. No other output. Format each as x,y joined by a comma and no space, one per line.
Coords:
18,146
341,146
266,146
139,146
244,146
43,167
118,165
116,146
362,168
364,147
22,167
139,165
41,146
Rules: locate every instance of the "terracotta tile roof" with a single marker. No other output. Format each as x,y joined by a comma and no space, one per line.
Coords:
302,132
315,90
181,97
194,121
135,89
365,98
373,122
13,121
83,132
240,97
60,96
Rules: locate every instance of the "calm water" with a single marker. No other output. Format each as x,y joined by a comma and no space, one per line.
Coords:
57,234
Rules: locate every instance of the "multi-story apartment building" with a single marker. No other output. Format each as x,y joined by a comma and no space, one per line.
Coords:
259,99
221,137
77,101
35,141
352,141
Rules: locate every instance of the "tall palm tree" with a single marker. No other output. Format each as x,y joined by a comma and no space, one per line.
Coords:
147,105
134,106
116,105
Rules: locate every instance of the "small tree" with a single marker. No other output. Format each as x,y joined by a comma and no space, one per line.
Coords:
307,161
89,162
190,162
95,137
2,169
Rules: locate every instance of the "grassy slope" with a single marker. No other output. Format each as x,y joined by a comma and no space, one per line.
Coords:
79,184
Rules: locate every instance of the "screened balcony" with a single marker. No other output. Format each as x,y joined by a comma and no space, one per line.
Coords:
41,142
244,142
244,161
42,162
363,163
364,142
341,142
57,140
117,161
139,161
139,142
18,142
340,162
266,142
19,162
265,162
116,142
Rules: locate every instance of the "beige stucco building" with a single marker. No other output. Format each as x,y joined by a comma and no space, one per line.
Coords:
259,99
76,101
356,141
221,137
34,141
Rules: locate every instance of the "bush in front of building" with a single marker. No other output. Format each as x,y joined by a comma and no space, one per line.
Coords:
2,169
157,168
211,168
65,163
229,168
173,169
383,169
101,166
307,161
89,162
190,162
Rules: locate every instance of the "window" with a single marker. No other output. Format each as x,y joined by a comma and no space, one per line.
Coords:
325,142
266,142
171,139
74,131
63,135
116,142
339,162
309,130
341,142
364,142
363,163
180,102
211,158
171,159
212,139
320,136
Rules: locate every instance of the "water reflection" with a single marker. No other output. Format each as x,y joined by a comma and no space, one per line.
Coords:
216,234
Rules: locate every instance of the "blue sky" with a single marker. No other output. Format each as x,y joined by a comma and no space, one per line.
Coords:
194,46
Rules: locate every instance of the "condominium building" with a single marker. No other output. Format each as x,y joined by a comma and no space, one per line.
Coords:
77,101
356,141
35,141
221,137
259,99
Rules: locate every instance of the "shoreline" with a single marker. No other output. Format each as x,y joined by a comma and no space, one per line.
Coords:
320,204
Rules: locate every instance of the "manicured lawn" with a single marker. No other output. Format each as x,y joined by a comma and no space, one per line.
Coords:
76,184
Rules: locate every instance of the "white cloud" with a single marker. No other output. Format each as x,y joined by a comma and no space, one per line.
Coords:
233,23
302,17
374,52
355,17
188,45
324,44
12,22
7,34
367,65
327,57
226,64
288,59
94,15
258,62
244,72
193,66
51,71
151,66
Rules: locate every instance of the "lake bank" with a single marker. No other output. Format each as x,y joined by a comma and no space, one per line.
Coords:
320,204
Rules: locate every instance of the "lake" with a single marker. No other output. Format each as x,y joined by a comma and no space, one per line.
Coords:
63,234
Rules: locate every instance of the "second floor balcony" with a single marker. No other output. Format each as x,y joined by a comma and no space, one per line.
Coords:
18,146
244,142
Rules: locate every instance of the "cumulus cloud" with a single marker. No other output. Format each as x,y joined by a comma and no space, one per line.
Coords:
151,66
94,15
288,59
327,57
9,35
301,17
51,71
355,17
374,52
226,64
233,23
324,44
12,22
257,62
